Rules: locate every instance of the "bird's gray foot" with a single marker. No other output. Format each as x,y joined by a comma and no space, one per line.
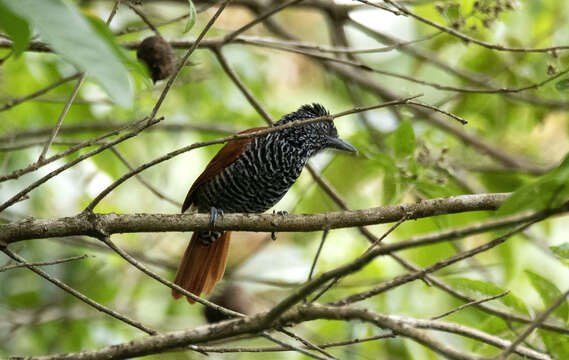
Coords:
213,212
282,213
207,238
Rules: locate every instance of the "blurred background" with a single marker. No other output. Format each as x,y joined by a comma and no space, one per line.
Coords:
402,158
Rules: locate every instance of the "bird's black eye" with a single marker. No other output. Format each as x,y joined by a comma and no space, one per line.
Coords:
332,132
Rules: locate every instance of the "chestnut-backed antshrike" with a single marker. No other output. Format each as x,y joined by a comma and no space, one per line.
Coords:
248,175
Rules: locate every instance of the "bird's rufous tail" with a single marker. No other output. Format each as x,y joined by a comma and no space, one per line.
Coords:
202,266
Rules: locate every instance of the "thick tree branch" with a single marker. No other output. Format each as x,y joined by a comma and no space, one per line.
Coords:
406,327
107,224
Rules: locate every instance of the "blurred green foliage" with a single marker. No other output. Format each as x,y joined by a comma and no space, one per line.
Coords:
402,159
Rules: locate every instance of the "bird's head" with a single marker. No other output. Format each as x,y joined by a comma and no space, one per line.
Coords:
316,136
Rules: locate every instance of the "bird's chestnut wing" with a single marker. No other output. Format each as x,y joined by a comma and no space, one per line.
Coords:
225,157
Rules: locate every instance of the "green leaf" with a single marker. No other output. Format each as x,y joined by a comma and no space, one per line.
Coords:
390,176
192,18
557,345
494,325
404,140
452,12
74,37
389,188
562,85
17,27
128,58
549,191
432,190
561,250
481,288
549,293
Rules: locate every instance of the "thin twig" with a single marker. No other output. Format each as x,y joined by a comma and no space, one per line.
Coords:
229,37
32,167
182,62
402,279
14,199
538,320
87,127
298,349
130,30
324,235
233,76
171,285
29,144
307,344
471,39
145,183
386,234
97,246
79,295
61,117
42,263
143,17
259,40
17,101
472,303
300,122
438,109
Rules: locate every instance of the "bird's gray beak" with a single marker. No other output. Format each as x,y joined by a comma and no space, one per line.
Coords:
340,144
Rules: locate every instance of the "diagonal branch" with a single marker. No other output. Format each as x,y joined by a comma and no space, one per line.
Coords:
61,117
77,294
42,263
538,320
300,122
14,199
20,100
470,39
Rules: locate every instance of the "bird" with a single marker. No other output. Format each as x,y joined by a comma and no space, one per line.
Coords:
248,175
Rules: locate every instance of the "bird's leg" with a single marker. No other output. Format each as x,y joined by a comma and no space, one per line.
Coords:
208,237
282,213
213,212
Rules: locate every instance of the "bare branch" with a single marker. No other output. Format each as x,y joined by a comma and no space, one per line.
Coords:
233,76
258,19
143,17
14,199
32,167
320,246
145,183
94,224
20,100
300,122
42,263
407,327
77,294
113,126
469,39
144,269
61,117
182,62
300,350
538,320
402,279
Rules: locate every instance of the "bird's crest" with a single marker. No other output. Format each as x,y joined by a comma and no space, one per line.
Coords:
304,112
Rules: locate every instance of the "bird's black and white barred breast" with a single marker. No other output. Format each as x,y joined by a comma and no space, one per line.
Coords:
267,168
